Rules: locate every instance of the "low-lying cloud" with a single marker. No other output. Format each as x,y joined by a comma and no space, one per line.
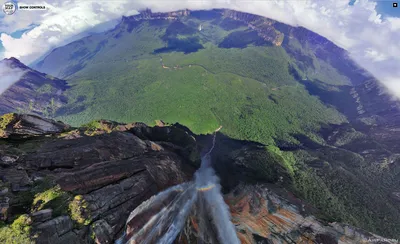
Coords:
371,40
8,76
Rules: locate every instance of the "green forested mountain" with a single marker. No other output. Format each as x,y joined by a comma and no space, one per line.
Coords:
320,115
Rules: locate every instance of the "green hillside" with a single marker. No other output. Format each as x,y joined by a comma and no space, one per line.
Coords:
239,88
285,87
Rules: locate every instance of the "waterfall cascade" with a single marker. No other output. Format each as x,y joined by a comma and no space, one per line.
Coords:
161,218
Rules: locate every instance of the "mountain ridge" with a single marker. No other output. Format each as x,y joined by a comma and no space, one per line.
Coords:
42,94
321,121
146,14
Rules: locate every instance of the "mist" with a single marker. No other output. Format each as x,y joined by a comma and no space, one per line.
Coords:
161,218
9,75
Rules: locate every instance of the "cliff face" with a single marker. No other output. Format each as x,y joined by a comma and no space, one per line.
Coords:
77,188
266,214
42,94
147,14
79,185
263,26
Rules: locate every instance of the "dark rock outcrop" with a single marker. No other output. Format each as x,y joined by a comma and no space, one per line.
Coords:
82,189
42,215
101,178
85,151
238,161
57,230
17,178
26,125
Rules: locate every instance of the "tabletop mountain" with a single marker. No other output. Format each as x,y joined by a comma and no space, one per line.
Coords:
294,108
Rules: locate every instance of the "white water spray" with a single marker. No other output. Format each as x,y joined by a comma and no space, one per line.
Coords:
161,218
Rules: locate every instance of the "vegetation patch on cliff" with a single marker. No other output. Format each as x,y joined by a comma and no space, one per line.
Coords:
16,233
79,211
53,198
5,120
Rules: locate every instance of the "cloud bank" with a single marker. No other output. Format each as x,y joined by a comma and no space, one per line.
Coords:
9,76
371,40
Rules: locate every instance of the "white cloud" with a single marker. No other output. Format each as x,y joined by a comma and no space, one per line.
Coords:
9,75
394,23
370,40
374,55
59,23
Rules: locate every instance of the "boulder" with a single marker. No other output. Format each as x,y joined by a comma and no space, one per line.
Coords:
42,215
50,231
18,178
102,231
8,160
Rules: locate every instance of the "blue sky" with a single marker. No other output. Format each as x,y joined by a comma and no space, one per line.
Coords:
385,8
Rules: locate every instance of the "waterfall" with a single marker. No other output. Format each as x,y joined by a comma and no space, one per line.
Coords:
161,218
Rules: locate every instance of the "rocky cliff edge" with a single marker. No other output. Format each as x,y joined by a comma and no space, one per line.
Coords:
60,184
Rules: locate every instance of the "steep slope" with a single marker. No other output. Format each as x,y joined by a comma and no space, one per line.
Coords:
78,185
34,92
266,214
232,47
158,63
312,110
